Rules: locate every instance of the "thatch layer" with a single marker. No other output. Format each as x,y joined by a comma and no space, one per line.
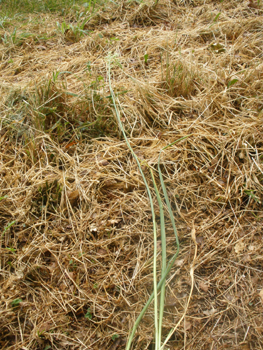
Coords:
75,223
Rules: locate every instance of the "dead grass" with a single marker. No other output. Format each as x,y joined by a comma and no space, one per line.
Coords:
76,261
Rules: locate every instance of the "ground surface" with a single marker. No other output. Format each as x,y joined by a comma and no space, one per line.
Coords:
75,221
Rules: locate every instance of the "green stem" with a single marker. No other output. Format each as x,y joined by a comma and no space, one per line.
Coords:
165,269
152,210
163,240
162,281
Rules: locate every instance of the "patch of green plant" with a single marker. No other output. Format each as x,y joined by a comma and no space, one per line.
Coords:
88,314
16,302
115,336
12,250
48,102
177,78
47,347
252,195
17,39
49,110
73,32
4,21
48,196
7,227
29,6
9,38
89,115
232,82
96,114
72,264
9,263
40,334
215,19
40,110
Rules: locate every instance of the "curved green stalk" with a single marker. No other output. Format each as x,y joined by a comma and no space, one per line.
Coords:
159,285
165,192
163,240
165,269
172,260
152,210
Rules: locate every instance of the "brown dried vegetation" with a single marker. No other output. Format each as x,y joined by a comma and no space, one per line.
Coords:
75,223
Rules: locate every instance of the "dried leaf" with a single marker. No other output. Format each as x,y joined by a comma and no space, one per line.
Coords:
230,297
221,183
239,247
246,258
210,312
179,262
241,155
109,183
45,327
187,325
114,221
102,251
73,196
200,240
261,295
93,228
214,161
70,144
71,275
104,162
203,286
170,301
52,267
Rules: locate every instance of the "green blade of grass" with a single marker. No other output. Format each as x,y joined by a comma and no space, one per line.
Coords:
151,203
163,240
7,227
171,261
166,269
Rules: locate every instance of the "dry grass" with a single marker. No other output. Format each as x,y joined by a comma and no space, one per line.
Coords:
76,259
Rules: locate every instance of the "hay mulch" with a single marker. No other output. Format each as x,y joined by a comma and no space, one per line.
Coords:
75,221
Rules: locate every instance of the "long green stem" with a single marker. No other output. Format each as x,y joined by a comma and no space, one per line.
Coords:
163,240
152,210
165,192
171,262
162,281
165,269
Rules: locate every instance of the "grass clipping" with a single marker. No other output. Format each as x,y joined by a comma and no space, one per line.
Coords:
76,262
